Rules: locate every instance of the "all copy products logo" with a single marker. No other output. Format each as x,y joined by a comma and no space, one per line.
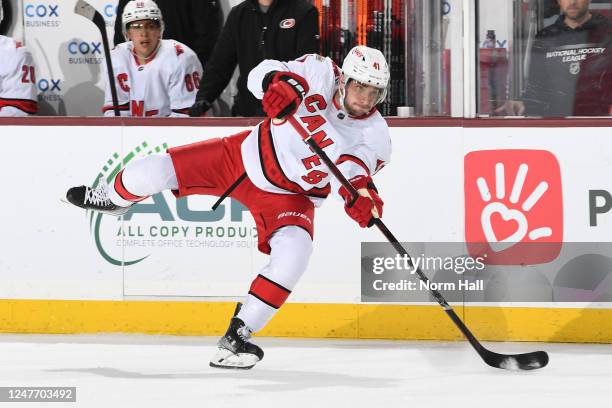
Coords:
158,224
513,206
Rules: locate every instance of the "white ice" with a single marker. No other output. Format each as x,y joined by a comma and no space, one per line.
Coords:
114,371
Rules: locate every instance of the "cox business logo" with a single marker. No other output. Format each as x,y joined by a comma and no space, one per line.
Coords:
85,52
84,48
41,10
49,89
41,14
154,225
109,12
49,85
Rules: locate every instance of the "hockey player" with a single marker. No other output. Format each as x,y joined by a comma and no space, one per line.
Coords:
17,78
271,171
153,77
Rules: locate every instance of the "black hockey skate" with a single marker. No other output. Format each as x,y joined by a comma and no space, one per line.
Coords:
94,198
234,349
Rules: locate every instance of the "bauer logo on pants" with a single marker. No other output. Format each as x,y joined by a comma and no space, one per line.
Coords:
513,206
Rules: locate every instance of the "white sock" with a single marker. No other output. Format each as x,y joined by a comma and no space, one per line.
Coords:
291,249
145,177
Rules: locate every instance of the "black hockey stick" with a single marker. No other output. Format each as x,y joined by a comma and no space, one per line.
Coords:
86,10
526,361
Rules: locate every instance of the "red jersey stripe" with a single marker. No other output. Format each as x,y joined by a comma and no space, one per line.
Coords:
123,107
26,105
272,170
122,191
269,292
347,157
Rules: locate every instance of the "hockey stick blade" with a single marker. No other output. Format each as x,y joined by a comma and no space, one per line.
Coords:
515,362
85,9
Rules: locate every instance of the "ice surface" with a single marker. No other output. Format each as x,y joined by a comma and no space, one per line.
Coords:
164,371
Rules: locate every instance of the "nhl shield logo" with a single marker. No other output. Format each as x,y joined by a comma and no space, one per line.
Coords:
574,68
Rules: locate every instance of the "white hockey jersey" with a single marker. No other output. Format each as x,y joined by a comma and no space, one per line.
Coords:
17,79
164,86
277,160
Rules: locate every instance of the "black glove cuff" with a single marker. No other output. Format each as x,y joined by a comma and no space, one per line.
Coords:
267,80
199,107
285,112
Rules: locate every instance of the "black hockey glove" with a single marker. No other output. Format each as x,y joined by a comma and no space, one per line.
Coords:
199,108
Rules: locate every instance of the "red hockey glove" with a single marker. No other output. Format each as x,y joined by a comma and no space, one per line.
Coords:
283,93
367,203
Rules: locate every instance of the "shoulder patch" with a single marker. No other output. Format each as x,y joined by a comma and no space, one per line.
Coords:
179,49
18,44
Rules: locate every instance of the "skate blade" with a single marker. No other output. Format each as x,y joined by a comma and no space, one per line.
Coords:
65,201
115,213
228,360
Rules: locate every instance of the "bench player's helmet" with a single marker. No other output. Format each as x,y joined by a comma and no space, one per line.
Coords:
367,66
141,10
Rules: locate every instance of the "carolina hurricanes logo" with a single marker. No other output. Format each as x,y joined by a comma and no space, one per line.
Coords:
358,53
287,23
140,4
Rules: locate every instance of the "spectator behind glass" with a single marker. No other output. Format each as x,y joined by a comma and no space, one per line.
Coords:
153,77
195,23
17,78
5,17
256,30
570,72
